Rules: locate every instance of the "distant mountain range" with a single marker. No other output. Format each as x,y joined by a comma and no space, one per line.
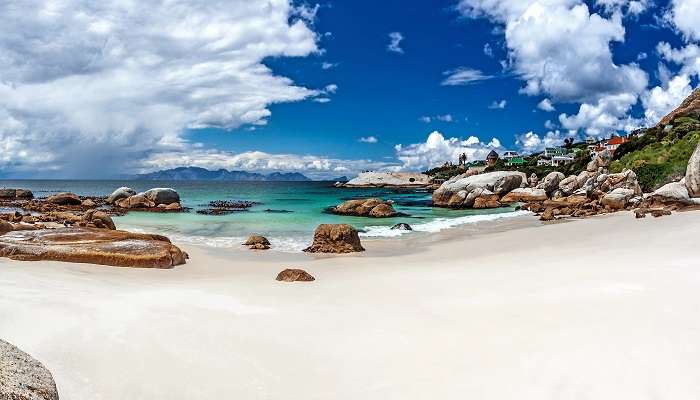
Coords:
202,174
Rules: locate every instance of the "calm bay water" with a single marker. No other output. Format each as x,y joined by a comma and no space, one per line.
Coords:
287,214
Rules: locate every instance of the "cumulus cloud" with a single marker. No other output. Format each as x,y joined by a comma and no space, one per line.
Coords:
684,15
488,50
426,119
531,142
108,83
633,7
498,105
463,76
328,65
546,105
437,149
445,118
661,100
607,115
547,41
395,39
369,139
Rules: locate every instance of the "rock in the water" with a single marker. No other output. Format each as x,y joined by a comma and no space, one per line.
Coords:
294,275
24,194
375,208
121,193
402,227
458,191
551,181
256,239
8,193
335,238
259,246
93,246
65,199
136,201
22,377
692,173
162,195
524,195
618,198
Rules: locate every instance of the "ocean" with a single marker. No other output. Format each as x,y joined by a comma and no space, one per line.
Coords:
287,213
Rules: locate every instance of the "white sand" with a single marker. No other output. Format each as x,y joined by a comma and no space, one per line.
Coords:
607,308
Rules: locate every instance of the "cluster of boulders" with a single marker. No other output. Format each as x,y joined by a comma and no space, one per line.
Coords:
15,194
478,191
374,208
682,194
335,238
156,199
257,242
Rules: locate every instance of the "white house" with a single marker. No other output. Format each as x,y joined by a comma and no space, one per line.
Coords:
510,154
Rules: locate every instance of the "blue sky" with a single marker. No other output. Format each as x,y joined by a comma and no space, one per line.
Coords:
329,88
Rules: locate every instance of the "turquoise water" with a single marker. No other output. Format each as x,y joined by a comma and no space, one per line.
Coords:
287,214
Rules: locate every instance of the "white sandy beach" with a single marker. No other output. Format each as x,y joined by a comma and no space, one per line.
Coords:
606,308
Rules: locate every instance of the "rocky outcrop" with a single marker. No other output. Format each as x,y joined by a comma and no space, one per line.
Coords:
602,160
162,196
402,227
65,199
551,182
335,238
626,179
5,227
135,202
388,179
524,195
463,192
533,180
121,193
294,275
257,242
22,377
93,246
15,194
691,105
97,219
375,208
692,173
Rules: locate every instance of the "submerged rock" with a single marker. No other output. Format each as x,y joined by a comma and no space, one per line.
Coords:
294,275
93,246
22,377
256,239
335,238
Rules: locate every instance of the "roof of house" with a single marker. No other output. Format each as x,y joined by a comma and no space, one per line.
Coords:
616,140
492,154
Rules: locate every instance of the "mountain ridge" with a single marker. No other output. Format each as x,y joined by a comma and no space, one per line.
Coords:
203,174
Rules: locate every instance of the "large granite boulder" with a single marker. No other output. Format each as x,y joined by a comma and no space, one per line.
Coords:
692,173
294,275
335,238
6,194
388,179
121,193
375,208
674,192
533,180
569,185
551,181
65,199
97,219
137,201
93,246
22,377
24,194
626,179
256,239
162,195
461,192
5,227
524,195
618,198
483,198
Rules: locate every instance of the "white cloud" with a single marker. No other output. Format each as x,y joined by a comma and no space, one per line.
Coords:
436,150
633,7
395,39
488,50
425,119
660,101
547,41
315,167
531,142
109,83
463,76
306,12
332,88
369,139
546,105
607,115
685,14
687,57
322,100
498,105
445,118
328,65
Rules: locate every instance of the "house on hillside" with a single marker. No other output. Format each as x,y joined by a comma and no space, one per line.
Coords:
615,142
558,161
510,154
554,151
491,158
516,161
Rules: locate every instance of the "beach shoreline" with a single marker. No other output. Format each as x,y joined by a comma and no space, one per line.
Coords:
566,310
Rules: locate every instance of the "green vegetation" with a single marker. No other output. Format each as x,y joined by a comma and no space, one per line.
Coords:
658,155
